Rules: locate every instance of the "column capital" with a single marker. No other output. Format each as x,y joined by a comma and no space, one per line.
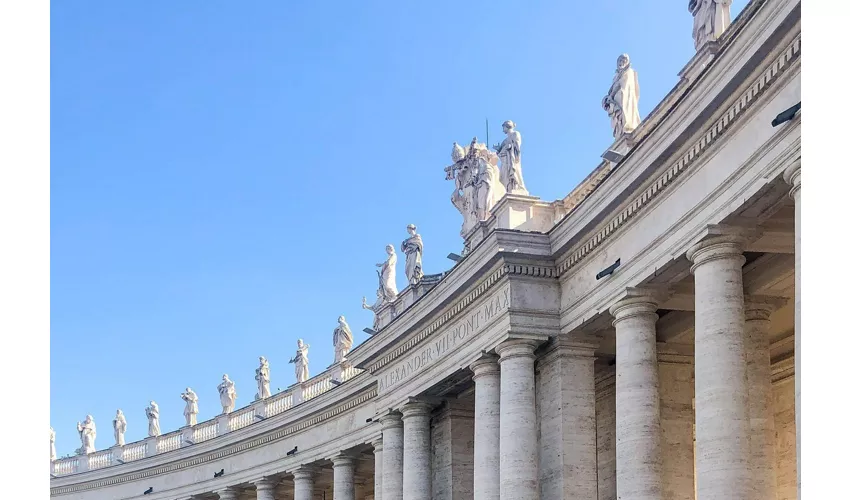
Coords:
487,364
264,484
636,303
378,444
792,177
516,348
343,460
228,493
729,246
304,472
415,408
391,420
759,308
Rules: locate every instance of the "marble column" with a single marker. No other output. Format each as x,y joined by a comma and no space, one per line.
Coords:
228,493
757,347
304,482
518,460
722,414
343,477
416,417
792,177
379,467
486,448
393,456
265,489
638,423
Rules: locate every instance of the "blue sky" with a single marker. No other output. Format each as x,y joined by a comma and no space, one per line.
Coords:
225,175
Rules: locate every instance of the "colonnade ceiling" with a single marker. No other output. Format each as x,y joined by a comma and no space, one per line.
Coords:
767,221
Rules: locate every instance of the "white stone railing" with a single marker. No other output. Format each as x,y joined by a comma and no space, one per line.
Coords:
210,429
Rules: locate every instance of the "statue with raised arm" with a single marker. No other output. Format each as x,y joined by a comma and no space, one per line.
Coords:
509,151
412,248
152,412
119,425
52,444
621,102
386,276
343,340
88,433
302,369
227,394
263,378
190,411
711,18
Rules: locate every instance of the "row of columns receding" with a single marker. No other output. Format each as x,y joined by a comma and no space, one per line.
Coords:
734,430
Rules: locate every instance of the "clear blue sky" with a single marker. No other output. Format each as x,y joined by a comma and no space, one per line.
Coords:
225,175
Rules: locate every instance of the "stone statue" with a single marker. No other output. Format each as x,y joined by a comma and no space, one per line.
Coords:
621,103
190,412
477,184
263,378
510,173
227,394
711,18
379,301
412,248
88,433
343,339
152,413
302,369
119,425
52,444
386,276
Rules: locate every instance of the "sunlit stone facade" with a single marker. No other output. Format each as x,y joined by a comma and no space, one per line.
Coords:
526,372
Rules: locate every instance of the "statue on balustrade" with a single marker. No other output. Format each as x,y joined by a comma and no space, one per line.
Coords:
711,18
88,433
302,369
152,412
621,102
343,340
119,425
263,378
412,248
190,411
52,444
477,185
386,276
510,172
227,394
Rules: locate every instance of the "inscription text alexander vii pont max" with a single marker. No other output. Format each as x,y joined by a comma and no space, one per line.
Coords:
435,349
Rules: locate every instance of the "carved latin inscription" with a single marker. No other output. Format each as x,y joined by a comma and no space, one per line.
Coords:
446,342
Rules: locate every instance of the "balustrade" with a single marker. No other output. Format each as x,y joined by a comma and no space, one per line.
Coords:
100,459
134,451
168,442
205,431
313,387
65,466
241,418
278,403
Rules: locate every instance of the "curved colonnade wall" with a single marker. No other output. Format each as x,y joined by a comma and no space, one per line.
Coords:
506,374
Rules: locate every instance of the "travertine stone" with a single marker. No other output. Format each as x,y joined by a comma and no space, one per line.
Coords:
416,417
379,467
486,449
676,392
518,460
343,477
793,177
119,425
227,494
227,394
722,415
621,101
88,433
304,482
566,399
757,346
638,404
786,446
606,450
393,456
452,437
265,489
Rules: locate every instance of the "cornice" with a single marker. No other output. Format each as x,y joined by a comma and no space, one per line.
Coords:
686,159
239,447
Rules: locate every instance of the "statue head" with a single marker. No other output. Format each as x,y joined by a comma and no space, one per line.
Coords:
411,229
300,343
224,378
623,62
262,359
118,413
508,126
89,419
341,319
457,152
390,250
